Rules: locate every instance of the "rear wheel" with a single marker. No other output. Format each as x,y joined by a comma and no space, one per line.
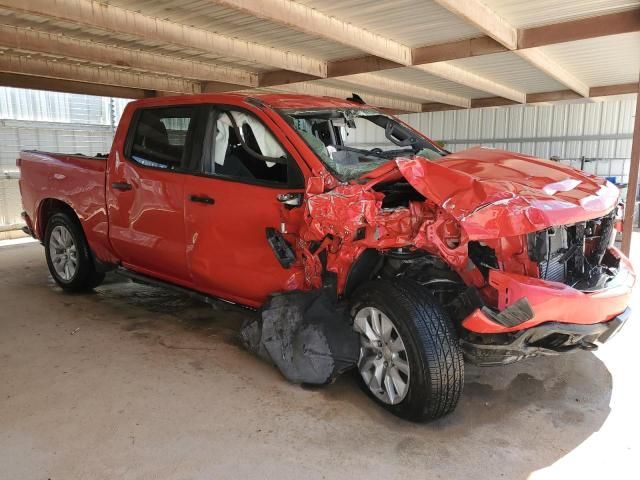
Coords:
68,256
410,359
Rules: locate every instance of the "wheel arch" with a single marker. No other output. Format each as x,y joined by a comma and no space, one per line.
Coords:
49,207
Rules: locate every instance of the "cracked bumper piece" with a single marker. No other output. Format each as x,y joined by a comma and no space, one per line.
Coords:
307,335
547,339
526,302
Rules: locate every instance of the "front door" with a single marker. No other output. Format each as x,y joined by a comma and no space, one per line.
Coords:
146,193
233,201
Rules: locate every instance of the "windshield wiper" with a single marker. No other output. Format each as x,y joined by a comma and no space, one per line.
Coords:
369,153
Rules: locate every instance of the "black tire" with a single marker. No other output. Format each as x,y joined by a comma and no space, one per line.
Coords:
432,347
85,277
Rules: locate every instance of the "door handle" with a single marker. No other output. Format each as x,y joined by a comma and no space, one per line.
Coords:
122,186
202,199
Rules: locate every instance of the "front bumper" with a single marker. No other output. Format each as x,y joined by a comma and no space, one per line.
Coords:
526,302
550,338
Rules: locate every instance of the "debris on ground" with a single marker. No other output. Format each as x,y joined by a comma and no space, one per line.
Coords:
307,335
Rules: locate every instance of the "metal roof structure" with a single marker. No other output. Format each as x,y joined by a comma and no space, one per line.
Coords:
406,55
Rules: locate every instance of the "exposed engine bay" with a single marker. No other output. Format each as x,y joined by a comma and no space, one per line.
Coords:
574,254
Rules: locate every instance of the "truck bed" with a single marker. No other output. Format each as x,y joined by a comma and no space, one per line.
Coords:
77,180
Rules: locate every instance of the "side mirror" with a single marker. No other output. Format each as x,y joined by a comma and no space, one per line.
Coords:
315,186
291,200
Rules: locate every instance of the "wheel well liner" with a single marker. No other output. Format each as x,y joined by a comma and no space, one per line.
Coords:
363,269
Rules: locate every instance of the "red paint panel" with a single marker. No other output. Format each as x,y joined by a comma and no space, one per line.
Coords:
75,180
226,245
146,223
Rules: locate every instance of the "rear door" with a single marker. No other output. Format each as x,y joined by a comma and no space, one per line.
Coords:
247,164
146,192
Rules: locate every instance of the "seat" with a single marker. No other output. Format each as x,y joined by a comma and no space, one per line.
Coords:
152,144
233,165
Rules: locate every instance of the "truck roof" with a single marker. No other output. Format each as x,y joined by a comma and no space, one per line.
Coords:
274,100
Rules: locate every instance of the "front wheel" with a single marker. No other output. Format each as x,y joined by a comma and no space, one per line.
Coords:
410,358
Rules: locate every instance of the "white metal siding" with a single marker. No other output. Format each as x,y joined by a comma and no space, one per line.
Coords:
600,131
56,122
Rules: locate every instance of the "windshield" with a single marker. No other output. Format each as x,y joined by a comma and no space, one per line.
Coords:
354,141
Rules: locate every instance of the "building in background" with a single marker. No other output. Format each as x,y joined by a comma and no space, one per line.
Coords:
592,134
57,122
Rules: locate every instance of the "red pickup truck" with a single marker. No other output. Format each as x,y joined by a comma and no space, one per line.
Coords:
364,243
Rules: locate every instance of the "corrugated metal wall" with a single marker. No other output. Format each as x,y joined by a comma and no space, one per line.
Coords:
56,122
599,131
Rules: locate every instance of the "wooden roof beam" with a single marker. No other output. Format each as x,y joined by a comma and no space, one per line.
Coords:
632,189
538,59
394,87
42,67
64,46
311,21
70,86
122,21
558,95
482,17
599,26
573,30
314,88
471,47
461,76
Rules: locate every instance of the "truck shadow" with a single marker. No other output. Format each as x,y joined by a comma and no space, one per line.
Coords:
511,420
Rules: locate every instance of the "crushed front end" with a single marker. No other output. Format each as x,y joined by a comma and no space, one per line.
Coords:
572,294
518,250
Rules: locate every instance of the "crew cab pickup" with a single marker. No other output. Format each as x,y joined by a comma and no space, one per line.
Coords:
365,244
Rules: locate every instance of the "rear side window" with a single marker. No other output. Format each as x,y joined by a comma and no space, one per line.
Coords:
161,137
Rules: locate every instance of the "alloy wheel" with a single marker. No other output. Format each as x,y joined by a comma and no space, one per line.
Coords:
383,362
63,252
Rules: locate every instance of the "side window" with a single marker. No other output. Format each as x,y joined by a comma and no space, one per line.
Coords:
243,148
160,138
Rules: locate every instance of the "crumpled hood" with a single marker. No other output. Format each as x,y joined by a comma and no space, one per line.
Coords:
495,193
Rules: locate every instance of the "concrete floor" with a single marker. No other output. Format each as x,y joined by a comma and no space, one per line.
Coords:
137,382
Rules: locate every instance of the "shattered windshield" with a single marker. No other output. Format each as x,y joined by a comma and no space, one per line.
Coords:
354,141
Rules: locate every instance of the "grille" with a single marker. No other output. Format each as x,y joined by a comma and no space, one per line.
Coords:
571,253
